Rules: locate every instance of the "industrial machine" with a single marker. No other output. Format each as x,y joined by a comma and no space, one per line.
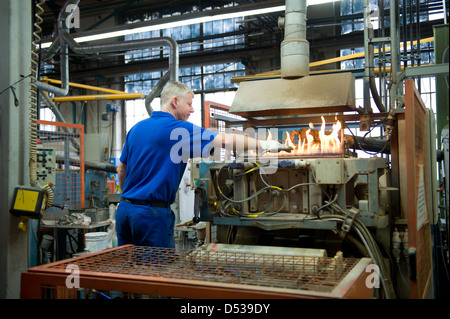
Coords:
306,198
315,222
321,195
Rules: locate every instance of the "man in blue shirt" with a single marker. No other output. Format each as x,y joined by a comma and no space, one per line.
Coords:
152,164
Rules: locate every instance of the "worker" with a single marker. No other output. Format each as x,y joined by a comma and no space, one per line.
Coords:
153,161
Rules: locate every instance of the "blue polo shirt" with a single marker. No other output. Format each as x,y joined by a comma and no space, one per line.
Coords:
156,152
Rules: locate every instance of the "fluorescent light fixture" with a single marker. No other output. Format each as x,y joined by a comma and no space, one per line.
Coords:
161,26
179,23
314,2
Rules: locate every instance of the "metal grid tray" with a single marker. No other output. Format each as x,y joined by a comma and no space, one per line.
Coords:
319,274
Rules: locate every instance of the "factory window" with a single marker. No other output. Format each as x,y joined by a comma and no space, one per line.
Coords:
409,55
349,7
208,79
352,63
353,9
46,114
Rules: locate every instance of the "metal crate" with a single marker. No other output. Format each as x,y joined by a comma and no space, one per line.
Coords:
202,274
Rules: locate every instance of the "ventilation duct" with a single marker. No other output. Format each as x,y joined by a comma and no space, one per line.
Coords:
295,92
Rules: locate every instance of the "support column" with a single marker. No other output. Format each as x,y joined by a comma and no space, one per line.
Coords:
15,45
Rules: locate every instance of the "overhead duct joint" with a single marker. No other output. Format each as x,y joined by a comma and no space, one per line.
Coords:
64,15
295,93
128,46
155,92
295,47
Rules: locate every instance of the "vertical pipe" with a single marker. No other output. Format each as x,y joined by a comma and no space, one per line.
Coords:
418,55
367,62
395,50
156,91
82,170
64,15
295,47
411,30
49,103
369,73
405,34
418,31
382,52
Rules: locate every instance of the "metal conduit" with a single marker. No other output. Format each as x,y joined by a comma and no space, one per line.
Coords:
373,88
59,117
295,47
130,45
59,43
155,92
369,81
65,40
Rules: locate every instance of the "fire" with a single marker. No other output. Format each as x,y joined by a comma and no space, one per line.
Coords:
310,145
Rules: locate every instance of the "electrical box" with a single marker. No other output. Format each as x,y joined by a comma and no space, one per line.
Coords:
46,165
28,202
329,170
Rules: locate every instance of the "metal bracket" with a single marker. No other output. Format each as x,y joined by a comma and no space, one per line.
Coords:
364,122
347,225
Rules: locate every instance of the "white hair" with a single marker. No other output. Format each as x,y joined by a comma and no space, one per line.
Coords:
173,89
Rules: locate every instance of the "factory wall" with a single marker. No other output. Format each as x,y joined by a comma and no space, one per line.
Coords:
15,45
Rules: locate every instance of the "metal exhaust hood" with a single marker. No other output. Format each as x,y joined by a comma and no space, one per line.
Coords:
326,93
295,93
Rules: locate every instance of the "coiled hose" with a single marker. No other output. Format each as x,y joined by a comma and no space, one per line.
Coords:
34,101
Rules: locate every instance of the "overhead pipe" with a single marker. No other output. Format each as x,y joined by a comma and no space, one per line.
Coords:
61,23
64,16
155,92
172,73
130,45
65,40
395,51
294,47
48,101
369,73
59,117
51,51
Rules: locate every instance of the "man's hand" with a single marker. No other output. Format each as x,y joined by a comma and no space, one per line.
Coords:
274,147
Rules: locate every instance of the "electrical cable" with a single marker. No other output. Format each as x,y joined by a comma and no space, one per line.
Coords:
327,204
370,244
384,120
269,214
34,92
267,188
12,85
262,190
372,251
299,185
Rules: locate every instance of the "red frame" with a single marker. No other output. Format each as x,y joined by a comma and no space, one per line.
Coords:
81,130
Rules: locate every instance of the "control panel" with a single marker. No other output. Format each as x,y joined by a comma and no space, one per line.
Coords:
46,165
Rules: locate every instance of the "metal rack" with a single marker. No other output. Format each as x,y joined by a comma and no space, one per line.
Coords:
202,274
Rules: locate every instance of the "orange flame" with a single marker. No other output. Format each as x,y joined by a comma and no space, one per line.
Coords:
328,144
